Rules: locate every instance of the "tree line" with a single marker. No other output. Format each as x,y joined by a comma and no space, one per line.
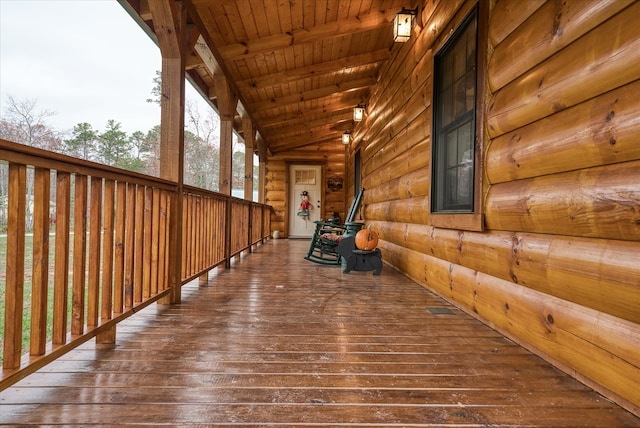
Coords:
139,151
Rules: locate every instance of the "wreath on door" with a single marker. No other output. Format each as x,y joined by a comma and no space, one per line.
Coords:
305,205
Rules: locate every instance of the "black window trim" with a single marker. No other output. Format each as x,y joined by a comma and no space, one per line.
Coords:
473,221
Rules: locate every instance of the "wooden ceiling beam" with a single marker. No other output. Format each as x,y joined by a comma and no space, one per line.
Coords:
193,61
207,39
315,70
346,102
144,11
208,58
314,94
317,132
294,125
290,145
227,98
371,21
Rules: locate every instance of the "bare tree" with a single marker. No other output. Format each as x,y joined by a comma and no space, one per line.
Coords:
25,125
205,127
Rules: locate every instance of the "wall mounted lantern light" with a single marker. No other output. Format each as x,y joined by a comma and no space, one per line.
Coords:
402,24
346,137
358,112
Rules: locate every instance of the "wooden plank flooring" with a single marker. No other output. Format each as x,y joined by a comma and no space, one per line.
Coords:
279,341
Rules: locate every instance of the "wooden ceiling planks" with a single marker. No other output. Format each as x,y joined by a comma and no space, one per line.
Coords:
299,66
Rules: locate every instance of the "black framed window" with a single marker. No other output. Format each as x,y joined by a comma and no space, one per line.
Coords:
454,122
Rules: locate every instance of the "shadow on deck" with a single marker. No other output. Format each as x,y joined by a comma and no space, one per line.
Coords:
280,341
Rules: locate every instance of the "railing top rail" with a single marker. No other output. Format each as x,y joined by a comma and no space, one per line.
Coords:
212,194
19,153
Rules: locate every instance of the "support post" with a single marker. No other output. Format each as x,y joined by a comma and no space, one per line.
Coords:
169,19
227,103
249,133
249,144
262,168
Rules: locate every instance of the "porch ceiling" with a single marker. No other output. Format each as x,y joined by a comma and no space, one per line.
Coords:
298,67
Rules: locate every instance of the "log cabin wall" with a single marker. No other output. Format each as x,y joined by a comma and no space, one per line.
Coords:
330,155
556,266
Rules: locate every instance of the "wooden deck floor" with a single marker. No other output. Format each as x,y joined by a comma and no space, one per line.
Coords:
279,341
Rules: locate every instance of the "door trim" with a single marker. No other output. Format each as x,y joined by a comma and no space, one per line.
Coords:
288,184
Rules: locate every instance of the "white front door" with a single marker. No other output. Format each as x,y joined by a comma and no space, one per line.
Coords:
305,187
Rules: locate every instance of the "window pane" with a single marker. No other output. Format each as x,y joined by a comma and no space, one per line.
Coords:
454,124
304,176
465,165
459,66
447,108
470,93
447,78
460,98
458,166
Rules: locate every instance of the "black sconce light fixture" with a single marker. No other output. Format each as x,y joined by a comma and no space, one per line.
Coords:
402,24
346,137
358,112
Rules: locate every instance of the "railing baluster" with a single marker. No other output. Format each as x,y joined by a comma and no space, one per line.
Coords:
193,252
79,253
122,224
107,251
185,235
61,268
130,245
95,238
40,266
14,294
146,267
167,240
155,231
162,242
139,257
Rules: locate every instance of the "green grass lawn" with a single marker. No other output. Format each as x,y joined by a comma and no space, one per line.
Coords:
26,318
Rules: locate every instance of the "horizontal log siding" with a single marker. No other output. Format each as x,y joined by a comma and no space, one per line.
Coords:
598,202
509,16
275,184
604,59
564,267
599,131
573,197
556,327
557,267
551,28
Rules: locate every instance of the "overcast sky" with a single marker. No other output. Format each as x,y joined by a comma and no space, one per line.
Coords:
85,60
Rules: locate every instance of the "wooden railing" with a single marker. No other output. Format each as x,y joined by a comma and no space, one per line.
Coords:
99,250
217,227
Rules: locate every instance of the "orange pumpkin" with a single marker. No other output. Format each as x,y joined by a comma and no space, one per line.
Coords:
366,239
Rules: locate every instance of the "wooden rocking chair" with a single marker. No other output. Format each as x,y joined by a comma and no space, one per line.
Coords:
328,234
